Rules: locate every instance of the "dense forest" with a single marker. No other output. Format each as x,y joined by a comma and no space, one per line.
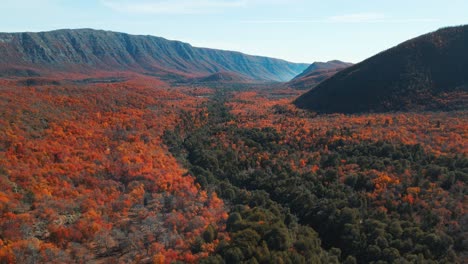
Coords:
213,165
320,196
136,170
85,177
106,172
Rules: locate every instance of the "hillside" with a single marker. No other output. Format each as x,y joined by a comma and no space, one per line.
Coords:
223,77
429,72
87,50
316,73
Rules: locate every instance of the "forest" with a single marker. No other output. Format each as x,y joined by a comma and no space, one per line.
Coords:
136,171
306,193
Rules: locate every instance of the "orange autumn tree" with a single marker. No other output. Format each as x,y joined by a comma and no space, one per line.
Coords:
85,175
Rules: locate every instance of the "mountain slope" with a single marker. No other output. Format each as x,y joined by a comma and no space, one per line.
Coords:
84,50
223,77
429,72
316,73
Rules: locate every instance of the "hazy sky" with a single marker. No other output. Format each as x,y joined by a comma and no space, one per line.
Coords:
295,30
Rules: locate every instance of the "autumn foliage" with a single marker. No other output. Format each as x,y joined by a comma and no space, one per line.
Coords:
138,171
375,187
84,175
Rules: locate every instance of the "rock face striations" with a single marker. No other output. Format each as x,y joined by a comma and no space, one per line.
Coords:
86,50
429,72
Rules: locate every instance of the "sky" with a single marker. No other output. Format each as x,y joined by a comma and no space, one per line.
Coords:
294,30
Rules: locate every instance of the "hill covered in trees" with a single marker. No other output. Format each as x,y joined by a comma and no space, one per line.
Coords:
429,72
222,78
316,73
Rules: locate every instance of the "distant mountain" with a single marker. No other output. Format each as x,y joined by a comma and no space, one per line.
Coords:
316,73
87,50
429,72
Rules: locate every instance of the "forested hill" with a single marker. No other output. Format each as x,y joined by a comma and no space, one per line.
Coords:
87,50
429,72
316,73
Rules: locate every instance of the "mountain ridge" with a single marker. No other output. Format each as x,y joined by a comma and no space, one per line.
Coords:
88,49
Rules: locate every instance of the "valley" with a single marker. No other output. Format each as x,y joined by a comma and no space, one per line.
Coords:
121,154
137,170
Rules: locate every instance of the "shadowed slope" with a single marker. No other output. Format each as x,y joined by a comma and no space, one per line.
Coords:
429,72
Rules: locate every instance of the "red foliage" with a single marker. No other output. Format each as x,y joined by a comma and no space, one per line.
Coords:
83,169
